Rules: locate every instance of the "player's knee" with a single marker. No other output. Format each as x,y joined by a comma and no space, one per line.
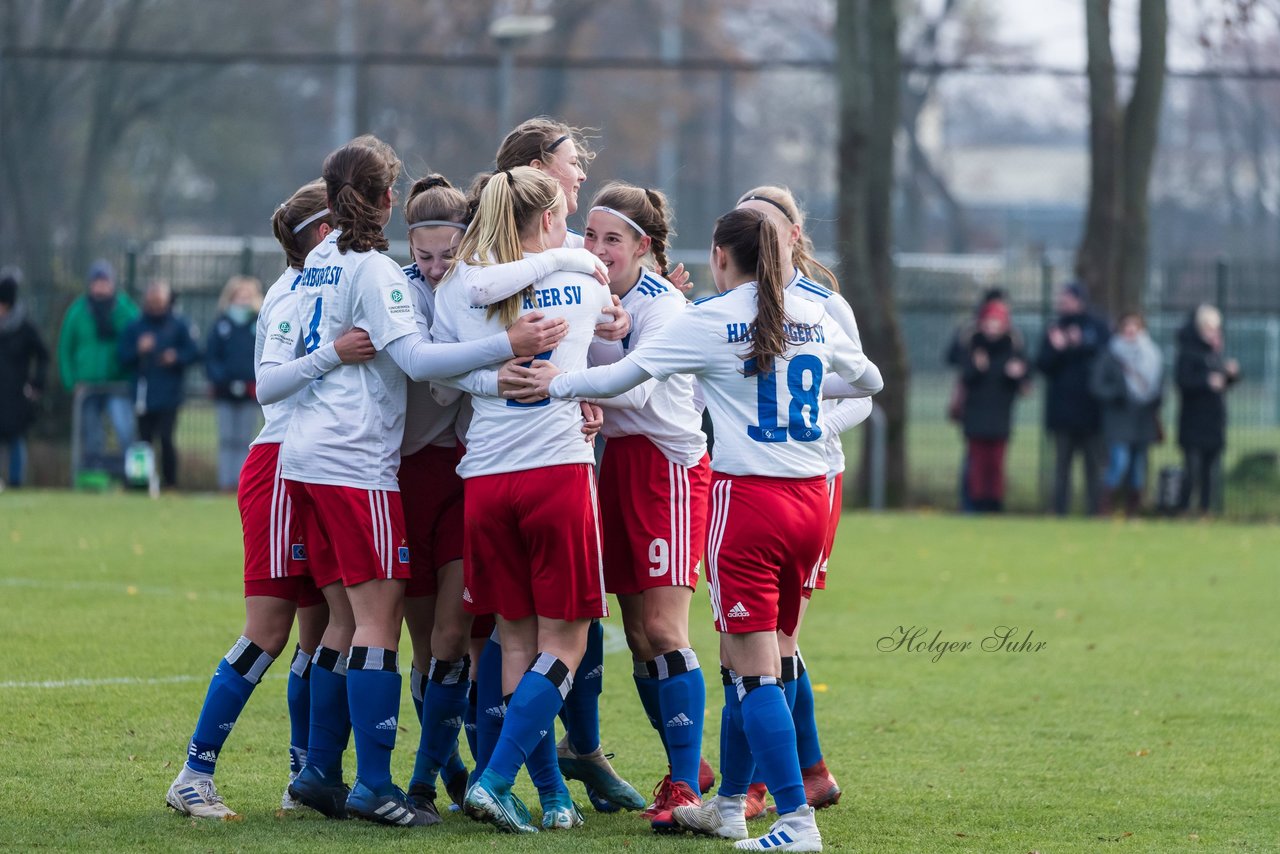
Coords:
663,635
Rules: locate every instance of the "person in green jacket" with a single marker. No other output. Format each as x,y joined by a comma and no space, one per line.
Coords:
87,357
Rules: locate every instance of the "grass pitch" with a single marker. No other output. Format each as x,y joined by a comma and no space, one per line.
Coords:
1146,721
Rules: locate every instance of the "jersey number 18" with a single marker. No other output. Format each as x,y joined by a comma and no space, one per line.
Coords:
800,427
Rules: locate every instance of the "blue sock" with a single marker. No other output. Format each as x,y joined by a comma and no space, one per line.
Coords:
543,766
682,697
490,708
233,681
647,688
737,764
790,673
469,720
581,714
373,690
806,720
531,714
417,689
444,705
330,713
299,694
767,723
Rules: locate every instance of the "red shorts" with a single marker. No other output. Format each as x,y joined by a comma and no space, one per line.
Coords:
533,544
274,556
654,517
817,579
764,536
431,493
352,535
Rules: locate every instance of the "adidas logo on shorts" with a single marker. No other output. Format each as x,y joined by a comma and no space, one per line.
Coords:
739,610
389,723
227,727
466,595
680,720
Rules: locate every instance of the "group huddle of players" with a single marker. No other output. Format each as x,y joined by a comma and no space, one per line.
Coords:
429,460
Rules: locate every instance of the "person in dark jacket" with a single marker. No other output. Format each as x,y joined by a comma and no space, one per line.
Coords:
1128,381
1066,355
956,357
23,363
994,370
1203,376
158,347
229,359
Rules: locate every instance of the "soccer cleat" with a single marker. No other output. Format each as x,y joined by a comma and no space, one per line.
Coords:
455,784
559,812
199,798
820,788
795,831
677,795
660,792
490,799
311,789
603,783
393,808
423,798
719,816
706,776
286,800
756,804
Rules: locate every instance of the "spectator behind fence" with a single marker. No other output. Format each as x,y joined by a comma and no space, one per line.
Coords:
157,348
994,369
1128,380
87,358
23,364
229,363
1203,375
1070,344
957,356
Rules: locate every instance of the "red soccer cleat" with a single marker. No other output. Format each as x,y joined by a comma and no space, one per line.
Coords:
755,803
820,788
660,794
677,795
706,776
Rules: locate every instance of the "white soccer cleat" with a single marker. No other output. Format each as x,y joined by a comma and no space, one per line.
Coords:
199,798
286,800
795,831
720,816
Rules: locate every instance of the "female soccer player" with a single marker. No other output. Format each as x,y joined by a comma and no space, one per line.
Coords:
653,493
532,532
276,583
778,203
340,458
760,355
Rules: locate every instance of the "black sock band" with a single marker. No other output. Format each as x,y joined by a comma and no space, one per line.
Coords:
450,672
373,658
673,663
301,665
248,659
726,675
790,668
556,671
331,660
747,684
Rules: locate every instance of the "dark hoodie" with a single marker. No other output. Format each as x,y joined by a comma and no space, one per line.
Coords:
1068,404
1202,412
162,383
23,361
990,394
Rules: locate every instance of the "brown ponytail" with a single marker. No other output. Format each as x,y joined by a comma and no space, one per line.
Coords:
357,177
305,203
649,209
802,254
751,240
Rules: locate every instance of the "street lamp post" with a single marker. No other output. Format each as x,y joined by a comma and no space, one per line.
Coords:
508,32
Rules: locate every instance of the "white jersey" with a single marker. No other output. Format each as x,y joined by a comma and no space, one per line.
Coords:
574,240
505,436
670,418
842,313
348,424
765,424
277,317
426,421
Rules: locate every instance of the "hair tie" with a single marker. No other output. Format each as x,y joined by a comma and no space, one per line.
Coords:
427,223
620,215
511,179
769,201
321,214
553,146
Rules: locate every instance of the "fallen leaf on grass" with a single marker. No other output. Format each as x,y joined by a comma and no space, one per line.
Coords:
1124,835
131,590
1194,837
1142,752
820,687
961,834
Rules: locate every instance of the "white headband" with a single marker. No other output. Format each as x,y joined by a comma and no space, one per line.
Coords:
620,215
426,223
306,222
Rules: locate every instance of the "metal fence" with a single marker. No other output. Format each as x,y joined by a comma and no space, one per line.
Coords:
936,293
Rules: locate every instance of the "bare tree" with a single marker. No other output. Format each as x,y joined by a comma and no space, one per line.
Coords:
868,75
1112,257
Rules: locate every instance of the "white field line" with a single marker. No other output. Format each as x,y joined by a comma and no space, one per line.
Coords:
97,683
122,587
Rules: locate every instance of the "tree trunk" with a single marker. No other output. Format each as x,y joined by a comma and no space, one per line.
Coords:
868,78
1141,132
1096,257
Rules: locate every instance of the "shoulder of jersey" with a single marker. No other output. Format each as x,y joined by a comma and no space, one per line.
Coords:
412,273
809,287
653,285
704,300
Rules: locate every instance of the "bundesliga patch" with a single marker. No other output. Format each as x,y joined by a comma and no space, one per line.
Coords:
397,302
403,552
298,551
